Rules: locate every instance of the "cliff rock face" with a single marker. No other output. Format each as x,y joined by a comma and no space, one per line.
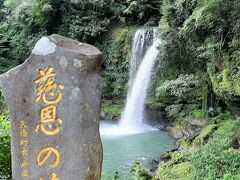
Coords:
54,103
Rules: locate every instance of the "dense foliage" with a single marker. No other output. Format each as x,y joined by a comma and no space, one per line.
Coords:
117,56
5,156
23,22
200,36
216,157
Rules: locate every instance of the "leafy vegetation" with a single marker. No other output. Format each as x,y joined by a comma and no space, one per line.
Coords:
179,88
201,35
114,109
139,172
145,11
117,56
218,157
5,149
199,113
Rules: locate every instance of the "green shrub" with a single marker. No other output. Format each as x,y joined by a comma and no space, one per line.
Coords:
139,172
117,53
230,177
114,109
199,113
179,156
83,26
181,90
180,86
223,116
226,81
142,11
106,176
218,157
5,147
182,171
178,167
204,135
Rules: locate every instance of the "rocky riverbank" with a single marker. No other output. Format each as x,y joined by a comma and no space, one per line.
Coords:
203,145
202,137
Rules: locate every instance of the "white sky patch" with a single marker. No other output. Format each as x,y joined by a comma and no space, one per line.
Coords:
44,46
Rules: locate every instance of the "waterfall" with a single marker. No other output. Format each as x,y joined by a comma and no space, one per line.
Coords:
142,40
144,55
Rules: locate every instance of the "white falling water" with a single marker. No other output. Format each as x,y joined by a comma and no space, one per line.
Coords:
142,40
145,53
133,114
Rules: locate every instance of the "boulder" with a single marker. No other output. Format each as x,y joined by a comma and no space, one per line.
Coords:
175,133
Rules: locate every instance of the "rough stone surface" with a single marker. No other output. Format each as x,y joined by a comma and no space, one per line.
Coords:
156,118
238,140
198,122
175,133
77,144
108,116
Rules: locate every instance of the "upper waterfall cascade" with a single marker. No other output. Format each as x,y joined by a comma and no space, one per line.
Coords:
142,40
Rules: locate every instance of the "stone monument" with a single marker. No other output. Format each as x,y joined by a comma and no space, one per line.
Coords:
54,104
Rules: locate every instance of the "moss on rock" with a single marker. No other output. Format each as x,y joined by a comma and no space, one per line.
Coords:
182,171
204,135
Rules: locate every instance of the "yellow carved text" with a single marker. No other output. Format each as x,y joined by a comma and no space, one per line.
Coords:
47,87
49,123
45,153
53,177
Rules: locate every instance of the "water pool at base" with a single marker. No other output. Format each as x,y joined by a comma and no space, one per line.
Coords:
120,151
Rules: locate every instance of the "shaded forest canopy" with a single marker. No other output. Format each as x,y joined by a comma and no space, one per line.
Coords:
24,21
200,47
197,36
